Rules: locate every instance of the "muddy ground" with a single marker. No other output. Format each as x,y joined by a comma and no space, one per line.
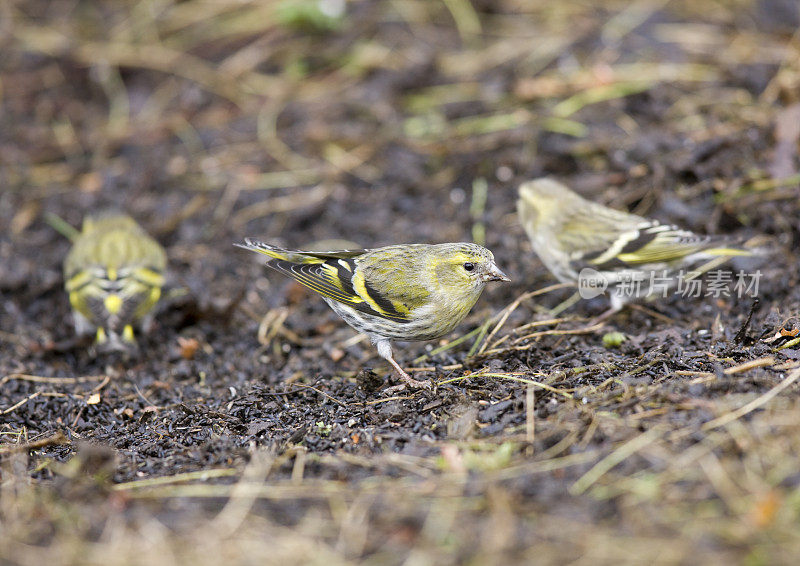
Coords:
253,426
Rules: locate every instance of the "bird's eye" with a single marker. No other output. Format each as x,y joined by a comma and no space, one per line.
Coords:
469,266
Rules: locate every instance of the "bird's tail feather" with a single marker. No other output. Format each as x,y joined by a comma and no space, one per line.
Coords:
295,256
727,252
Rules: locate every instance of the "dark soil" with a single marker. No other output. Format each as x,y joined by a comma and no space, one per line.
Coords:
209,122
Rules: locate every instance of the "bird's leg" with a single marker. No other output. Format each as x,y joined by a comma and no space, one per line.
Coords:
617,304
602,317
385,351
408,381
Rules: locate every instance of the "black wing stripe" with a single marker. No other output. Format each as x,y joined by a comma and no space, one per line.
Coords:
365,308
384,303
640,241
345,276
643,238
309,276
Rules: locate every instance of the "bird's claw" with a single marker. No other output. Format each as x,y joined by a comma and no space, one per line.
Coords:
409,383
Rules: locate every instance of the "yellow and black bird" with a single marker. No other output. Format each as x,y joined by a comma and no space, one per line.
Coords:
581,241
114,274
404,292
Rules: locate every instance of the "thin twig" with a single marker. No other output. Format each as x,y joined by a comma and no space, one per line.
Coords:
57,438
21,403
334,399
506,312
102,384
510,377
584,330
42,379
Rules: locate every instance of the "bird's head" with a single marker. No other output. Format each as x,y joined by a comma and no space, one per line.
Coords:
543,198
464,268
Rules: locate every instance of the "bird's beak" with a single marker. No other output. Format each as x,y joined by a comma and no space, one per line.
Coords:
494,274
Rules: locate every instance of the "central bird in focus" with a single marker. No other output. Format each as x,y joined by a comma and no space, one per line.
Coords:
403,292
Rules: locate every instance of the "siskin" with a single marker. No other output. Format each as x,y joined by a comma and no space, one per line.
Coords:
404,292
114,274
595,247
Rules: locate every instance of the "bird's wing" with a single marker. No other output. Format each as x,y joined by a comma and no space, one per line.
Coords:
393,279
334,275
653,243
594,232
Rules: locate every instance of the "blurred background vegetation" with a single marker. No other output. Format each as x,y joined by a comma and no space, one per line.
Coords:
241,109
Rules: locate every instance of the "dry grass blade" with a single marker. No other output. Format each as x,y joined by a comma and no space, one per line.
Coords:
706,376
466,19
20,403
754,404
271,325
55,380
241,500
280,204
518,377
329,397
530,420
149,56
56,439
496,349
201,475
506,312
545,464
626,450
585,330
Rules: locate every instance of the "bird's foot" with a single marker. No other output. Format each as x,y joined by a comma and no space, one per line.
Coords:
600,320
408,383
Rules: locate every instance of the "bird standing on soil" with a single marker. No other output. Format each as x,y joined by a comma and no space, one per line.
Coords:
404,292
598,247
114,274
